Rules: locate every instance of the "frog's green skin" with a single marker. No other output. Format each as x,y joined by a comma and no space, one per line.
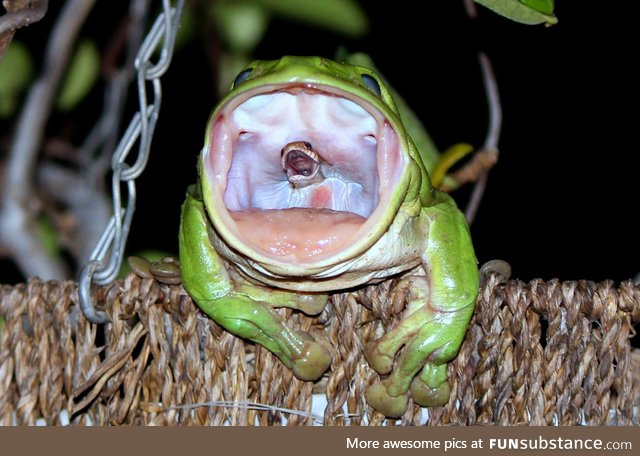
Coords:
414,230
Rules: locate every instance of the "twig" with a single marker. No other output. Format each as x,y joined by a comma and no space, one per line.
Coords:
470,8
90,203
17,16
15,19
85,206
489,152
490,146
18,214
103,138
493,100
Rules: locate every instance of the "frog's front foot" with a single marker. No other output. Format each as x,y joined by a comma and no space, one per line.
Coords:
390,396
378,397
414,357
312,361
428,396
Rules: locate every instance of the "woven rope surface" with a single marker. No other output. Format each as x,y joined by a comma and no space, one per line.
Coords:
536,353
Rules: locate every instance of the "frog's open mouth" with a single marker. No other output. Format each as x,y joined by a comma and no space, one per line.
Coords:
301,171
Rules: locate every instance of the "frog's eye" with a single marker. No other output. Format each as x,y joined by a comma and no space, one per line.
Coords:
372,84
242,76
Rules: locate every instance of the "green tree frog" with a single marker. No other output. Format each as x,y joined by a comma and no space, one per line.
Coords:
309,185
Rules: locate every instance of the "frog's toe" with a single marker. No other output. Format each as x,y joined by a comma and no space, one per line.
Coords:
379,362
379,398
313,361
311,304
427,396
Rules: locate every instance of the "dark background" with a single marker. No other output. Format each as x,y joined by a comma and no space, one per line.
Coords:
562,201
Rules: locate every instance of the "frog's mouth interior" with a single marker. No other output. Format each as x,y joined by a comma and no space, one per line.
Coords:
302,172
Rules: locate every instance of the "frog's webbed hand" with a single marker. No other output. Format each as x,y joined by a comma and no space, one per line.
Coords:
435,321
244,309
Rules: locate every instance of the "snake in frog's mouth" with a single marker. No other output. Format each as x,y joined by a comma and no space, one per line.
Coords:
300,172
301,163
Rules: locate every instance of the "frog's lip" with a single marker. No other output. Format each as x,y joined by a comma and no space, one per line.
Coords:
232,186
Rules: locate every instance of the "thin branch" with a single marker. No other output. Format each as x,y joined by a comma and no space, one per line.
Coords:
476,197
18,214
489,153
21,17
103,138
93,209
493,100
470,8
86,206
490,147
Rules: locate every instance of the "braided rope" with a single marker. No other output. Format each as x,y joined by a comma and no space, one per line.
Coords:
536,353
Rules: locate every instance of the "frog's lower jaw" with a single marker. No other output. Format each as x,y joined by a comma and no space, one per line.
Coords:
301,178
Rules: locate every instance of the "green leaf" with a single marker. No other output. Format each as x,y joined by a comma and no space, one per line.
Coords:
342,16
542,6
528,12
241,24
81,76
16,71
48,235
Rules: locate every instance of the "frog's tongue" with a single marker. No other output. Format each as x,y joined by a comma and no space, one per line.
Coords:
359,164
